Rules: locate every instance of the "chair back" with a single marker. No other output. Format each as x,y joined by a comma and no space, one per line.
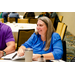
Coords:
52,19
23,20
59,28
34,21
63,31
2,20
23,36
11,20
60,18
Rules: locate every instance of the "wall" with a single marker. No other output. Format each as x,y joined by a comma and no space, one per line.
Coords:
69,20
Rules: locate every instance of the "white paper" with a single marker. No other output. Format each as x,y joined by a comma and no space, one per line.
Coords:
18,57
9,56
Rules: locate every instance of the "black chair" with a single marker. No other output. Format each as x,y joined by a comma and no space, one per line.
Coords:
64,50
23,36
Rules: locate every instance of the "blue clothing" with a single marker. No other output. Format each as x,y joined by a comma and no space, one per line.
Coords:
16,15
5,15
38,46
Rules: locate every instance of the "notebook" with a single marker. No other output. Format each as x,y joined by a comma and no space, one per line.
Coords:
13,56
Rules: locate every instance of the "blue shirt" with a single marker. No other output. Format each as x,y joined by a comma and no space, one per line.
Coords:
38,46
16,15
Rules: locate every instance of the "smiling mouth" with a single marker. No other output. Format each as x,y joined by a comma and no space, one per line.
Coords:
39,30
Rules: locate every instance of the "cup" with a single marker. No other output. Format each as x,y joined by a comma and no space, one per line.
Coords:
28,54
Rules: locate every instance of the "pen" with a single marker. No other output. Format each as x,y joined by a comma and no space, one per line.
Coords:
14,55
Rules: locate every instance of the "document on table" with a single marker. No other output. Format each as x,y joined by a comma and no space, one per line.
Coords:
13,56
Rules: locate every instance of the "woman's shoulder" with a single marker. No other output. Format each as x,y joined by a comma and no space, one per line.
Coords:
56,36
35,35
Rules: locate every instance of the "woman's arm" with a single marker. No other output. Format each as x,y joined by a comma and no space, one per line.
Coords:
27,44
48,56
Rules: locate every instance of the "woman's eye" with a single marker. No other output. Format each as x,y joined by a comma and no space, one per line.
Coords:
40,25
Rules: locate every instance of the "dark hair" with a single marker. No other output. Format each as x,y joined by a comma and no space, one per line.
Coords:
13,12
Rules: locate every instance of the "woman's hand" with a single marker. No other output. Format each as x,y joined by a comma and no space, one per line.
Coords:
35,57
21,51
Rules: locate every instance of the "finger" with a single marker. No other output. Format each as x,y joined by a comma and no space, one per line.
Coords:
22,54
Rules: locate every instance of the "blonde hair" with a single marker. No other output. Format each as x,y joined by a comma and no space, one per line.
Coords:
50,30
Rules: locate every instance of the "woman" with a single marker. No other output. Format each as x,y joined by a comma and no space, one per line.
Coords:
45,41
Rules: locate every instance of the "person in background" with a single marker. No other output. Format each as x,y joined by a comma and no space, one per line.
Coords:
5,16
44,14
1,15
54,15
7,42
29,15
45,41
14,15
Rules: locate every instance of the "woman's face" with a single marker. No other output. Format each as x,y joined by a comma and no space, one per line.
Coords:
41,27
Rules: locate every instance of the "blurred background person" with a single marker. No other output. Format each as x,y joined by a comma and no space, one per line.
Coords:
44,14
14,15
54,15
5,16
29,15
